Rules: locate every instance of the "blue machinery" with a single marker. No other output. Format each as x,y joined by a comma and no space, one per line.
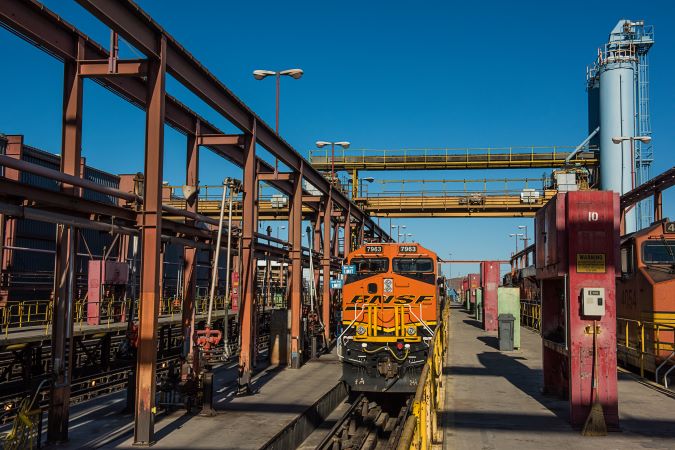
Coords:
618,102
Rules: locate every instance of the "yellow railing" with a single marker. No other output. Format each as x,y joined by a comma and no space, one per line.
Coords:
38,313
647,340
530,315
421,429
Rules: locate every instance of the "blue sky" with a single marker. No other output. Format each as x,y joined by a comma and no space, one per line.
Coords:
379,74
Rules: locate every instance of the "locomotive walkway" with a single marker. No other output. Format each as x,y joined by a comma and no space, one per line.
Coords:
494,400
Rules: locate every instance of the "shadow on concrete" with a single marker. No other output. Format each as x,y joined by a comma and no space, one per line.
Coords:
537,423
490,341
529,381
474,323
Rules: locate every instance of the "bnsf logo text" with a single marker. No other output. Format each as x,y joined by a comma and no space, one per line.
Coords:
395,299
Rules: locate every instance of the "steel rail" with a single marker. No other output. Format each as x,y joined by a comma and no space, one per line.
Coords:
138,28
659,183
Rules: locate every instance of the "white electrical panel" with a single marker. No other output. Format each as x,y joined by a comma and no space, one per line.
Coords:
593,301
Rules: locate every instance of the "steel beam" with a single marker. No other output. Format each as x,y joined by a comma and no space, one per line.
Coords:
325,264
64,265
247,281
142,32
221,139
101,68
295,237
144,430
190,254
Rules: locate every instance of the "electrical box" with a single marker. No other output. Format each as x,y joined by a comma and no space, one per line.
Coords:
593,301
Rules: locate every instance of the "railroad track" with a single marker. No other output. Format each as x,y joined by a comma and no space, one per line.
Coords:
373,422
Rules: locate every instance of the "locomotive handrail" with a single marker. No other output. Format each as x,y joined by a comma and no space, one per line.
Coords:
657,343
424,324
339,339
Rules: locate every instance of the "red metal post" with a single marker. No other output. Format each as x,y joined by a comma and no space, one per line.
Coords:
489,281
580,251
295,237
249,227
151,270
64,265
190,253
325,263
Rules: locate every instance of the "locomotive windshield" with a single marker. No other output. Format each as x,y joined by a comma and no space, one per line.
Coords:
413,265
659,252
371,265
367,267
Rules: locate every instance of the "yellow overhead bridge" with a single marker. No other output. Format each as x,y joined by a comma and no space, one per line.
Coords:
450,158
410,204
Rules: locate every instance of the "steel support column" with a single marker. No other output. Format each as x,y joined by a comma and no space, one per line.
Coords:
325,263
15,150
658,205
64,264
249,227
347,241
190,253
295,238
151,270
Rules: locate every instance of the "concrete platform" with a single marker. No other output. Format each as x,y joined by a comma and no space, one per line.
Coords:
241,423
494,400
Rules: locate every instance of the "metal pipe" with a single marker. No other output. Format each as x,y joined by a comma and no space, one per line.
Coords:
24,166
24,212
226,330
580,146
214,272
188,214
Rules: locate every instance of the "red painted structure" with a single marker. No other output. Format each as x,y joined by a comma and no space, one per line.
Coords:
577,236
489,281
106,281
474,283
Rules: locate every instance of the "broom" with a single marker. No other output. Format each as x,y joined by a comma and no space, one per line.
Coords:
595,423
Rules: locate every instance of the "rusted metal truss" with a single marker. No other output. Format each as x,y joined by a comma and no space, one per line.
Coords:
142,82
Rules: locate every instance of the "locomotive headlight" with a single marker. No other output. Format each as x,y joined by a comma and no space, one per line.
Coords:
411,331
360,330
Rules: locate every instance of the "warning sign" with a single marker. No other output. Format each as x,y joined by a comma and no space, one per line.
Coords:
590,263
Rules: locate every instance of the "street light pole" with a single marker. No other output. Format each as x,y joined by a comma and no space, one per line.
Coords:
343,144
450,266
278,77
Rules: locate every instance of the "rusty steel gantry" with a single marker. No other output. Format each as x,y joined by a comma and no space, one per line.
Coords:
142,82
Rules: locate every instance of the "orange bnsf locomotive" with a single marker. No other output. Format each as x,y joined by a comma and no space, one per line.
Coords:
390,308
645,296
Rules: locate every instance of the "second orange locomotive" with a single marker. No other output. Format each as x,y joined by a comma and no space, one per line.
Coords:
390,310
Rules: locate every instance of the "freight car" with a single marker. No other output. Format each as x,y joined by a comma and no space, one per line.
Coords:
645,296
390,309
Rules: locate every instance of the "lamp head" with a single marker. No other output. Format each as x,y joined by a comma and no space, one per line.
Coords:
260,74
295,73
322,144
343,144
